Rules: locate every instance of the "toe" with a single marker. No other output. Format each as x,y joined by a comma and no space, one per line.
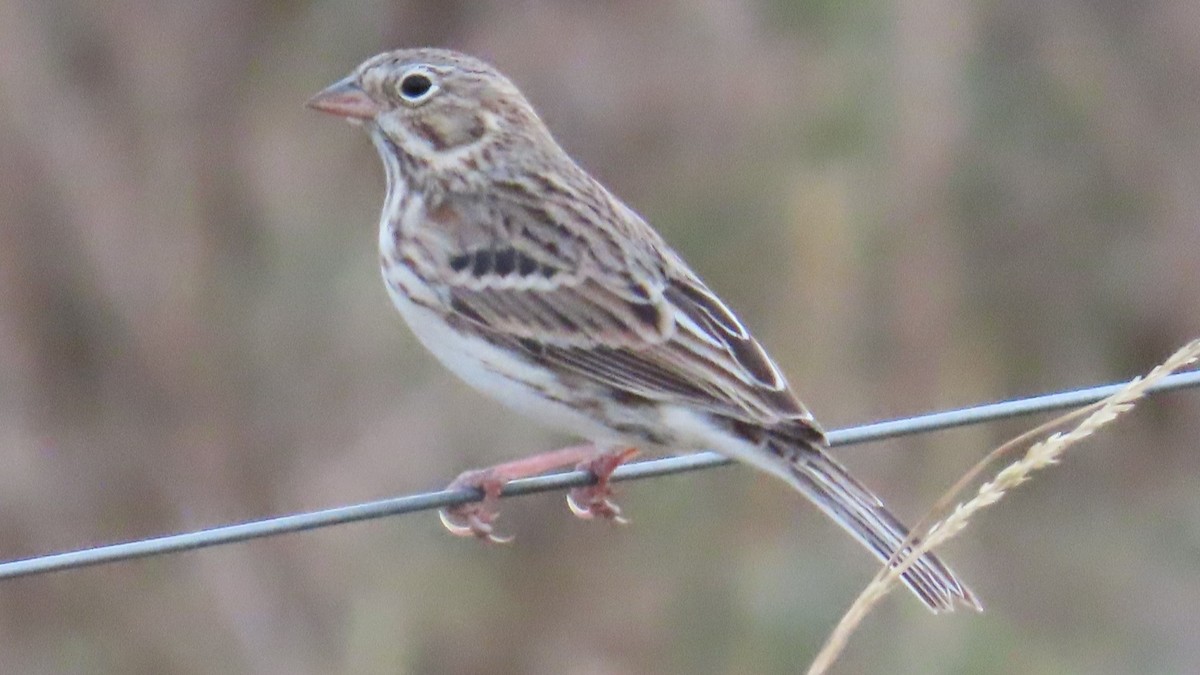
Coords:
587,504
472,520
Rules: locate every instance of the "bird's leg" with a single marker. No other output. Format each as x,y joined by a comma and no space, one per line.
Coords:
474,519
593,500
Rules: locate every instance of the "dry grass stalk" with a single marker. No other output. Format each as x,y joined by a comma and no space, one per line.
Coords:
1040,455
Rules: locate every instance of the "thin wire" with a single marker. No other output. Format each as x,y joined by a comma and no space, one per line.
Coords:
647,469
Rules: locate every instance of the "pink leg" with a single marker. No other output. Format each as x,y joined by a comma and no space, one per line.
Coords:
474,519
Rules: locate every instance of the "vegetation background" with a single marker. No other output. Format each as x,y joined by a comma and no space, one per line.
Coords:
917,204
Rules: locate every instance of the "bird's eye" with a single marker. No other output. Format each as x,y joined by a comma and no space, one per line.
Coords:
415,87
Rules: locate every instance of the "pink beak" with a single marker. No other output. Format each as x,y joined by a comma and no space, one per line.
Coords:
345,98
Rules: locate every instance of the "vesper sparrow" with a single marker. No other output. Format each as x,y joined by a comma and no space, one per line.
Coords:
532,282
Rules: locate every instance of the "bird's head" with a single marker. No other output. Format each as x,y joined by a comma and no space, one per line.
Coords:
436,106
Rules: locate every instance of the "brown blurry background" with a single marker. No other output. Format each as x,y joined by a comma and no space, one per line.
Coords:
917,204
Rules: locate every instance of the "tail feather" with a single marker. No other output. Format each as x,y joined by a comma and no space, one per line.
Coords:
853,506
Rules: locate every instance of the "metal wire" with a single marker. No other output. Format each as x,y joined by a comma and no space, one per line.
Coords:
647,469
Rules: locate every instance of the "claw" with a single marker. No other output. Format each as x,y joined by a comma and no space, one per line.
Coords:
454,528
477,525
474,519
594,500
595,506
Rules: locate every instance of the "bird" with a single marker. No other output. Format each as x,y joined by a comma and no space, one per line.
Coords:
536,285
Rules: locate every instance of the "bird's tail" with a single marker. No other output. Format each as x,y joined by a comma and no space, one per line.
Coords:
853,506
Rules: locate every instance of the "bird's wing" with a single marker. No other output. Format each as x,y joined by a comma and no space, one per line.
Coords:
612,304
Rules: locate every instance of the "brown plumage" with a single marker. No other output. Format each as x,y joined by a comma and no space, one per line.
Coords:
532,282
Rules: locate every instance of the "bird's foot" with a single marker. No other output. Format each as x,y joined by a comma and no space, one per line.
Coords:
475,519
594,500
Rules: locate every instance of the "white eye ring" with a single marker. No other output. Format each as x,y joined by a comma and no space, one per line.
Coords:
416,86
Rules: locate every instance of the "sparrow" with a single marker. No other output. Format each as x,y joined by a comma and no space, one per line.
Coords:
532,282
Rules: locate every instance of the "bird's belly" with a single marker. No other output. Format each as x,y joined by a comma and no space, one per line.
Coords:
497,372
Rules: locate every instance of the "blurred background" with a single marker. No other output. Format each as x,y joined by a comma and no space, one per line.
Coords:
916,204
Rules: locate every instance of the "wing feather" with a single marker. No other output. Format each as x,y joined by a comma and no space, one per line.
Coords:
624,312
